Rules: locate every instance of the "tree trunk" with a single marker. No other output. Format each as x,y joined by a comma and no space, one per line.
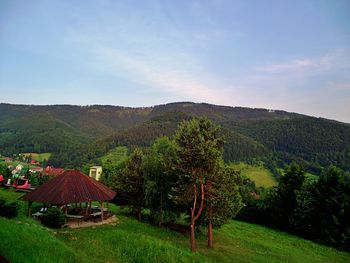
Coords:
102,208
138,214
210,217
210,235
30,209
193,237
161,208
195,217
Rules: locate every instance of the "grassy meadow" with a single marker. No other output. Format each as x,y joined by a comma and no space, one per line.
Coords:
115,155
25,240
259,174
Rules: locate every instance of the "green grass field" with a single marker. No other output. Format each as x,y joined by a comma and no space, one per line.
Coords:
260,175
25,240
39,156
115,156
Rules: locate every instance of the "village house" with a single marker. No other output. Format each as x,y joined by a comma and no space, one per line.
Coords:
8,159
34,162
36,170
95,172
49,170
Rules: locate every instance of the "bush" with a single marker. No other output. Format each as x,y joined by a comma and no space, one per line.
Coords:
9,209
54,218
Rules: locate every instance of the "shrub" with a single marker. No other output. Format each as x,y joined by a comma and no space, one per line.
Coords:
54,218
9,209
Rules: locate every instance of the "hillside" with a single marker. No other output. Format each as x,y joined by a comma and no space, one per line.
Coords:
89,132
133,241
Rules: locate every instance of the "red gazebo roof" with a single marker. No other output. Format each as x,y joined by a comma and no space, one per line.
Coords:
72,186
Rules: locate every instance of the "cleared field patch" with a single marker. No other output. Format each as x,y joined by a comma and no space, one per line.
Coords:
259,174
115,156
38,156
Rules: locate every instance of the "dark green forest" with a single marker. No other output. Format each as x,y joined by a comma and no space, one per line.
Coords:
80,134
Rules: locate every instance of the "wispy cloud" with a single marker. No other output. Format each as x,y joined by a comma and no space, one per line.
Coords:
302,64
146,70
318,86
336,59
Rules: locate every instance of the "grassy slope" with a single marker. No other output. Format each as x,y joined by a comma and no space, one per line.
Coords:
114,156
133,241
25,240
260,175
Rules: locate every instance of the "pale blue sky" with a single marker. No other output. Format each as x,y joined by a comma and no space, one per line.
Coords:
289,55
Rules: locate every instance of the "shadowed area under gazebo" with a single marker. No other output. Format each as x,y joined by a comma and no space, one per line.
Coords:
74,192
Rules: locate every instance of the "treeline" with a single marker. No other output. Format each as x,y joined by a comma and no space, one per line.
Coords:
314,208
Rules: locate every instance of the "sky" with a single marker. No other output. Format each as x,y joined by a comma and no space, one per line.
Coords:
287,55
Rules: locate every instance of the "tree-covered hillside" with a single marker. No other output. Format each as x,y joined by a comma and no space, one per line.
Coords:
77,134
318,142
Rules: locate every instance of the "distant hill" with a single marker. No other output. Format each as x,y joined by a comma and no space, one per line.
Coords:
76,134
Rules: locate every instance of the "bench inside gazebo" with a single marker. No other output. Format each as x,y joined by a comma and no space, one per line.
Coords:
73,192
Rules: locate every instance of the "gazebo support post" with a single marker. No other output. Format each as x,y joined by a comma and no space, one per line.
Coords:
86,212
65,213
30,209
102,211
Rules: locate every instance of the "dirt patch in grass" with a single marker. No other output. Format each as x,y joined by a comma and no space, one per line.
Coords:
112,220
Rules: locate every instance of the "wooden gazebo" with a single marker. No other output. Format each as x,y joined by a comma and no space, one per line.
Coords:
72,186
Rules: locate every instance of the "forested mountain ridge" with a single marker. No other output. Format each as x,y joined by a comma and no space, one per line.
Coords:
77,134
26,128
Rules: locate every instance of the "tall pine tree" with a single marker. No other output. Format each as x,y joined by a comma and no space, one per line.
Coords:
200,154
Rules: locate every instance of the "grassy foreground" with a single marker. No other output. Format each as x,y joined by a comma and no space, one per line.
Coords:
25,240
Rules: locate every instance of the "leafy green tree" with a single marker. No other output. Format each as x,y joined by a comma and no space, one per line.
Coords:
200,155
110,171
222,200
305,218
288,188
5,171
34,179
333,213
323,209
160,177
130,182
